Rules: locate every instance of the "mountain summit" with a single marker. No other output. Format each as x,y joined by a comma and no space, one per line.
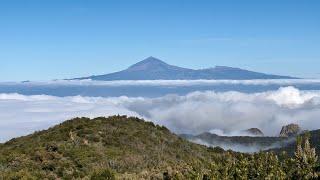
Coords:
150,62
152,68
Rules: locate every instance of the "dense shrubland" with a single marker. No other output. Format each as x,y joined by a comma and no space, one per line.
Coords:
129,148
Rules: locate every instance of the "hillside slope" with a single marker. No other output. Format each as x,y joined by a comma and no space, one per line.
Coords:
128,147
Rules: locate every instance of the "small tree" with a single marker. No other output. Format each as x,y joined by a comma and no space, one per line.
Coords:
305,161
241,168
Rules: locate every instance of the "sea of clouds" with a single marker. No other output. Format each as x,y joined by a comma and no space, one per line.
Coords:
197,112
89,82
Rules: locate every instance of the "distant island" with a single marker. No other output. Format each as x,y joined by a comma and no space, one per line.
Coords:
152,68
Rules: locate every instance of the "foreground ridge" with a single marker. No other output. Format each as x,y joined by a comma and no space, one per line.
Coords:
121,147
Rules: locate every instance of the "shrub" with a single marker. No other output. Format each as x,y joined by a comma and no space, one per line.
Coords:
103,174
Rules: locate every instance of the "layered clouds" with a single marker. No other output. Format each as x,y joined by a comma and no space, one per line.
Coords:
202,82
226,112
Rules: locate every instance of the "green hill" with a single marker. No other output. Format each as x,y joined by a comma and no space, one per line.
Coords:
119,147
80,147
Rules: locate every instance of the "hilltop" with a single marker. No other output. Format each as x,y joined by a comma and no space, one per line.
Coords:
119,147
152,68
79,147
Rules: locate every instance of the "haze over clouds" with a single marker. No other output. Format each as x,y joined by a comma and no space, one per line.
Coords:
227,112
283,82
254,147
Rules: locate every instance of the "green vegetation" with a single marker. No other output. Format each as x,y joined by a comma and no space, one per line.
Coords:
119,147
314,138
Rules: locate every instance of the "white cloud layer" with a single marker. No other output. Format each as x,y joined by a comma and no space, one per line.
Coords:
227,112
89,82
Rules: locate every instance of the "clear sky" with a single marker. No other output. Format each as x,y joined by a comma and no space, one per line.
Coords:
53,39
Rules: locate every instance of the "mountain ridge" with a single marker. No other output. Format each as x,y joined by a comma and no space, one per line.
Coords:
80,148
121,147
152,68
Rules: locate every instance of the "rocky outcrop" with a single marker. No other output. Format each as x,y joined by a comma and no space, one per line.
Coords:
254,132
290,130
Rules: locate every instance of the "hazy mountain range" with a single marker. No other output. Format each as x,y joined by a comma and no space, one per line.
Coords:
155,69
250,140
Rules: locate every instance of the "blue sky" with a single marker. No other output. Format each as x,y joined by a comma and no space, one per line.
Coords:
53,39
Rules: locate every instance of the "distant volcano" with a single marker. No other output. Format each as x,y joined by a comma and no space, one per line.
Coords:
155,69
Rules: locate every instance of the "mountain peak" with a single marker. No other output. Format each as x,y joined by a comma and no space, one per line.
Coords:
152,59
290,130
153,68
150,62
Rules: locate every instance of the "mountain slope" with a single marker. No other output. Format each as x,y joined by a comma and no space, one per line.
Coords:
77,148
155,69
129,148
